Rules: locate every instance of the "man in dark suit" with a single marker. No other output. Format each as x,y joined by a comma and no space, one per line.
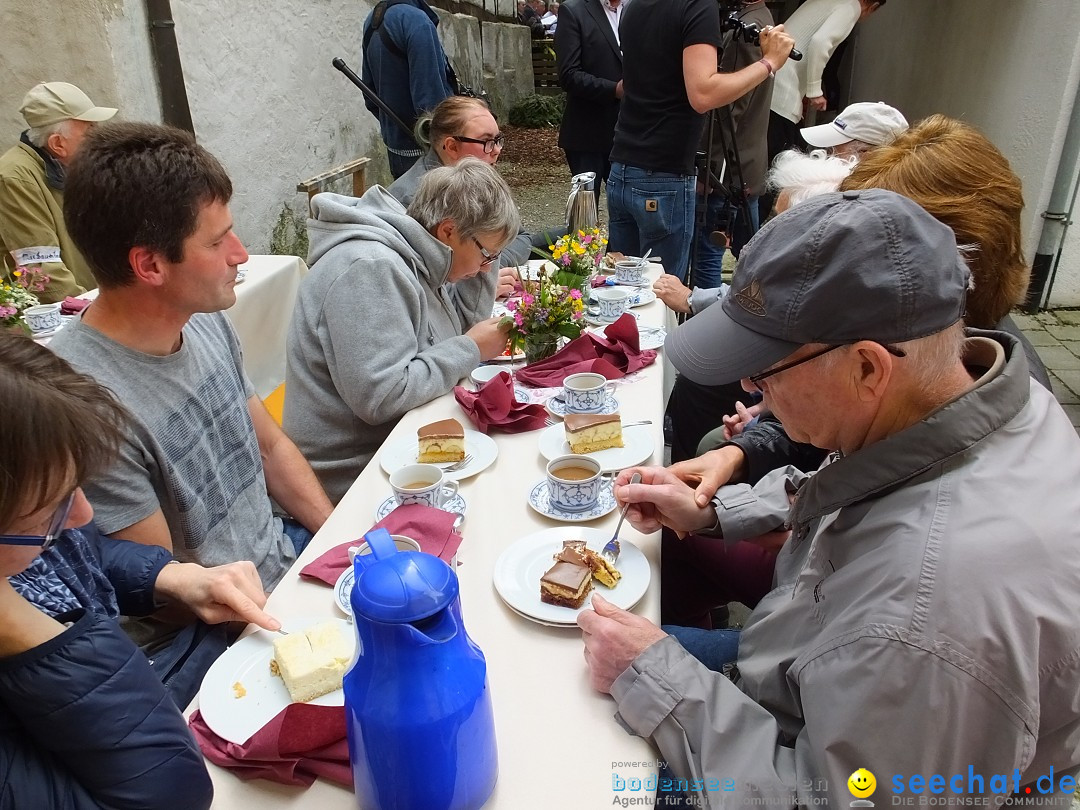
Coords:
590,71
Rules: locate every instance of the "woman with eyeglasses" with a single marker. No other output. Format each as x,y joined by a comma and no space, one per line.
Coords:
85,722
392,314
462,127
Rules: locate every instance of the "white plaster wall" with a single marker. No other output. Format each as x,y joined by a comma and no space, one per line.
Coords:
265,99
1009,68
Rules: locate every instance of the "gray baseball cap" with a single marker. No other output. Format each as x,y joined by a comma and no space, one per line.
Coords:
836,269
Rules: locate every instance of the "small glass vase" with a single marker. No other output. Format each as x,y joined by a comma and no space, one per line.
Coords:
540,347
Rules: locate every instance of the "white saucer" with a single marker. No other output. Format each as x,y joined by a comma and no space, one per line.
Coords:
638,441
455,504
639,296
643,283
595,320
519,568
343,590
404,452
649,337
539,500
556,405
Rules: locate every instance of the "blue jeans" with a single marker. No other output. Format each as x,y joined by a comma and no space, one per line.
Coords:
654,210
710,258
298,534
713,648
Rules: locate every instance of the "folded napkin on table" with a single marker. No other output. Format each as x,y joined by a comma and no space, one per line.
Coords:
302,742
599,281
72,305
615,355
495,405
432,528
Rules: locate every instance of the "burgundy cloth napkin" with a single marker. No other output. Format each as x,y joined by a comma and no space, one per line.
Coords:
72,305
302,742
495,405
433,529
614,356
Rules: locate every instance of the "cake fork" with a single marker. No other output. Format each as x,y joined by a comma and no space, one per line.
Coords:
611,550
457,465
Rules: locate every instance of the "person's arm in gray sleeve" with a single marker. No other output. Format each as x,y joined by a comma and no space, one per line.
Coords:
704,297
744,511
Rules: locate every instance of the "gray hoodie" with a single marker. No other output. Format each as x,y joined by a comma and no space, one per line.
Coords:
376,331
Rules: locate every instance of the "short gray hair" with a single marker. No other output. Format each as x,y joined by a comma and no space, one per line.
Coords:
472,195
804,176
39,136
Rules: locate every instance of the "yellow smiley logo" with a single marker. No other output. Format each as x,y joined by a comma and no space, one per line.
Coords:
862,783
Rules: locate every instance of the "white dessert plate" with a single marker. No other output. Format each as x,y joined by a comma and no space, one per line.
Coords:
638,441
539,500
649,337
455,504
506,358
483,449
556,405
247,662
519,568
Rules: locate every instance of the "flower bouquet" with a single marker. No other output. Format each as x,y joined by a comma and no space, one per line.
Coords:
576,256
18,296
545,312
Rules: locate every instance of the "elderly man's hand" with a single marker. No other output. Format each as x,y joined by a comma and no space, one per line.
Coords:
225,593
672,292
710,471
509,281
613,639
661,499
490,337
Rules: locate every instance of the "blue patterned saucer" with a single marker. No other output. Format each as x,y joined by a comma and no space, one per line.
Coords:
605,504
454,504
556,405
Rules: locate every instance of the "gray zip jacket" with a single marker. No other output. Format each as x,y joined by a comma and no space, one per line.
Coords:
926,615
376,331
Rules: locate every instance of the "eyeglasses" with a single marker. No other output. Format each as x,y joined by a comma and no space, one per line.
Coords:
488,257
56,526
757,378
490,144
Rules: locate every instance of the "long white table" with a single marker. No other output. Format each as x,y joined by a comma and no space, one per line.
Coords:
261,316
558,742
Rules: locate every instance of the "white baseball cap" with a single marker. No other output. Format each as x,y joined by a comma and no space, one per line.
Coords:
873,122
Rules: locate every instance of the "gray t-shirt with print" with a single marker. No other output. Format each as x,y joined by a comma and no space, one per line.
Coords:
191,448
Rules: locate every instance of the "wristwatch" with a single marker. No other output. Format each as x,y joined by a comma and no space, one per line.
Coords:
690,303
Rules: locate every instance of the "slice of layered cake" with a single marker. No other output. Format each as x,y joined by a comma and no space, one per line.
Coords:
566,584
312,662
603,571
589,432
441,441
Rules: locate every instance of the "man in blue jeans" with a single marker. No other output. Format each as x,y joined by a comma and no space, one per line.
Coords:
670,79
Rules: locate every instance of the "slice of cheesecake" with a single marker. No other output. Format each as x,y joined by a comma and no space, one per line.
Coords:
441,441
589,432
312,662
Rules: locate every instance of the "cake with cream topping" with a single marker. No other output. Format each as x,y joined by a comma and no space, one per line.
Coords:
441,441
566,584
589,432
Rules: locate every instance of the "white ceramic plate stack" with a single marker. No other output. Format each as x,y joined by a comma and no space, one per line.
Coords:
404,452
638,441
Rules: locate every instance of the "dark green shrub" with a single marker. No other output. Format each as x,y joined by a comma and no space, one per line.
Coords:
537,111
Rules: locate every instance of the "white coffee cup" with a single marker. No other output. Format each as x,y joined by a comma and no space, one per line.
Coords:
576,494
630,271
42,318
422,483
586,392
611,302
481,374
402,542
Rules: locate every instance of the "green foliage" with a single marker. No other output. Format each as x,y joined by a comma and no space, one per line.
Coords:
289,237
538,111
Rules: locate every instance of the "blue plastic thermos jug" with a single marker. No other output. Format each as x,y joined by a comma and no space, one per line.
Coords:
417,704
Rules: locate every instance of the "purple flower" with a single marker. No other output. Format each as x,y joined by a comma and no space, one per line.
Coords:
7,312
577,316
518,320
527,300
565,260
575,294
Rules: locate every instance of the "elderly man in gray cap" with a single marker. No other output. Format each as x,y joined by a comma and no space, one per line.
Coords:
32,231
920,628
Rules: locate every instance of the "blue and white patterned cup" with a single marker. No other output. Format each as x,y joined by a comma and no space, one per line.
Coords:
611,302
586,392
630,271
422,483
579,489
42,318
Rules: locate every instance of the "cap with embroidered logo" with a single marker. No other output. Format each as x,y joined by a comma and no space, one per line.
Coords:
872,122
50,103
836,269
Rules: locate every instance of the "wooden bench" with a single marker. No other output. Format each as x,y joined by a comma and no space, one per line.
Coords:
357,168
545,71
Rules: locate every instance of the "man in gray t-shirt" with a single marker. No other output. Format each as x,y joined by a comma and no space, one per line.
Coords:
201,457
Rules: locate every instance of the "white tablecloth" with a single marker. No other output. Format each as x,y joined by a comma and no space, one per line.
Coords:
261,315
559,744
